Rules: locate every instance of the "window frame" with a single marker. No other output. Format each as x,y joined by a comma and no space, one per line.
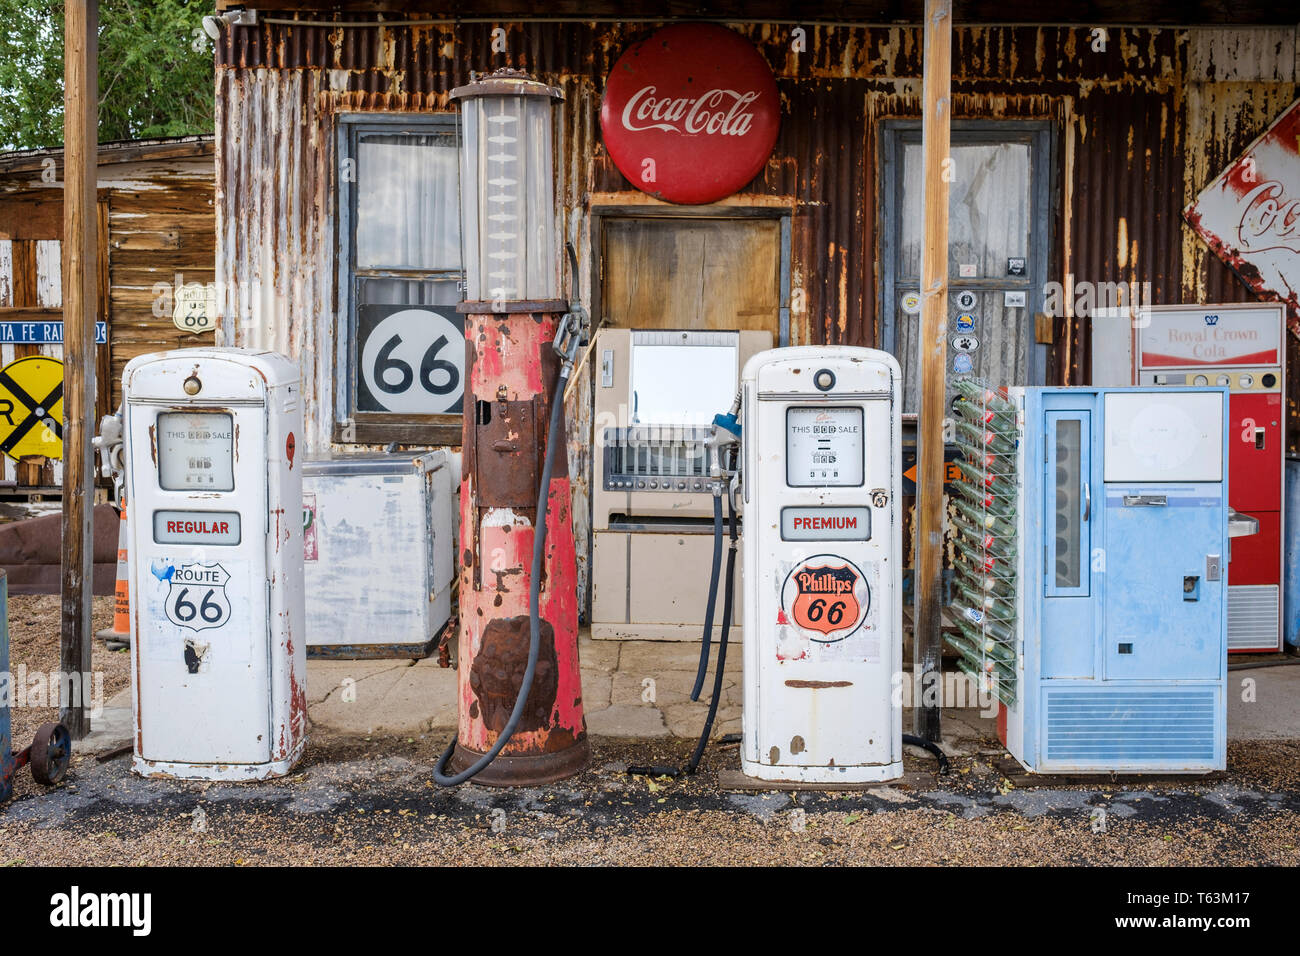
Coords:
352,426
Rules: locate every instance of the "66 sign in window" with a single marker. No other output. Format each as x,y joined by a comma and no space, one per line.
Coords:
411,359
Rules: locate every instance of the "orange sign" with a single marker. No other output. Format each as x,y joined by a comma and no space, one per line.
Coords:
826,596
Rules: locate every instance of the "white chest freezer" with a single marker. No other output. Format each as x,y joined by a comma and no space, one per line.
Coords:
379,542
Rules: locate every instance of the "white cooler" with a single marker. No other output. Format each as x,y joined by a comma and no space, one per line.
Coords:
379,542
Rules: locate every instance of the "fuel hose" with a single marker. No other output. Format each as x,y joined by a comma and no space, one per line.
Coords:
728,602
728,605
703,669
932,747
534,599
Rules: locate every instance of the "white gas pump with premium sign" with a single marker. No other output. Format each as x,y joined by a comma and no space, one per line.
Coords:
214,478
823,575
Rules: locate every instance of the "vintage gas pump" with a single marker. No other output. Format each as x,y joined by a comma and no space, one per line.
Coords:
214,477
519,691
823,568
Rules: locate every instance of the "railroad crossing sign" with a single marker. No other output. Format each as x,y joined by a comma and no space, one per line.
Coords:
31,407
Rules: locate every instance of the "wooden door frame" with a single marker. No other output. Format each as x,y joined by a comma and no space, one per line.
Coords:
782,214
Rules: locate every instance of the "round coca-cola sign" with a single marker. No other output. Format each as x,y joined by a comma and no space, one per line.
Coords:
691,113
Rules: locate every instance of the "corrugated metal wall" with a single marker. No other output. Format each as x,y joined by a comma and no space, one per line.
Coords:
1141,125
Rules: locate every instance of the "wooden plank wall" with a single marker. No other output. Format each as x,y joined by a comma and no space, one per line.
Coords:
157,233
162,235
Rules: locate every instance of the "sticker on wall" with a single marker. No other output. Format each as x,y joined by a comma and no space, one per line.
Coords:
965,322
967,270
962,363
1016,266
965,343
826,597
196,307
912,302
1013,300
966,300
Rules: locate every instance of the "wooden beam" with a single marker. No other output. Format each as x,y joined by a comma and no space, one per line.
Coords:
936,128
111,154
80,304
33,313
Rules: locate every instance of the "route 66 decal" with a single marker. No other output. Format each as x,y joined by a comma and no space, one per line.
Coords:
197,597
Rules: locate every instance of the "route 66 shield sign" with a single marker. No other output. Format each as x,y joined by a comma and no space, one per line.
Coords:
196,597
827,595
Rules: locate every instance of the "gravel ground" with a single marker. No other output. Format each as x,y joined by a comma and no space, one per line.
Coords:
373,802
34,643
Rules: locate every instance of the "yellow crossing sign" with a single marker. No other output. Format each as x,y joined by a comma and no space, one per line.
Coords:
31,407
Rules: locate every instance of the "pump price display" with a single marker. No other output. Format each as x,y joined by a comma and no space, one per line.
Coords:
196,451
823,447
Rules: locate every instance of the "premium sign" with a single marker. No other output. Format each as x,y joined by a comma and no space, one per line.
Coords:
1250,214
820,523
690,114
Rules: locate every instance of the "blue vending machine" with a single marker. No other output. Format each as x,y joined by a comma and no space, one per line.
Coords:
1120,626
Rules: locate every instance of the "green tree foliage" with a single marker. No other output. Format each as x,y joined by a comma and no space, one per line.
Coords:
155,70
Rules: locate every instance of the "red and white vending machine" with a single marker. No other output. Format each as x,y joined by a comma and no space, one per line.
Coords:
1243,347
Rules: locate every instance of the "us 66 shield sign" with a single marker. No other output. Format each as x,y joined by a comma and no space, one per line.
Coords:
411,359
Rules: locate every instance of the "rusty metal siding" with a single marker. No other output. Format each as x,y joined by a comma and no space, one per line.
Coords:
1130,122
1141,125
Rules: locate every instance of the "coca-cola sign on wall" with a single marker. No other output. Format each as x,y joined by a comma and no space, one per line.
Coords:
1250,214
691,113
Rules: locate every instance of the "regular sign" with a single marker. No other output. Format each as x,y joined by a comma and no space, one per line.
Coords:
691,113
1250,214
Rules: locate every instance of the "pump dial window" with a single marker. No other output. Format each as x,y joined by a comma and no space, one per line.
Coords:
823,447
196,451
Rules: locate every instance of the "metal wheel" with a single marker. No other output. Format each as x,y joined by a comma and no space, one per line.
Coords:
51,754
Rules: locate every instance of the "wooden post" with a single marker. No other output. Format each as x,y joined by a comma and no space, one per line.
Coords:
80,275
927,638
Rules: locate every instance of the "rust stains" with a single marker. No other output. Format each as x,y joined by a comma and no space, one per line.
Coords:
498,670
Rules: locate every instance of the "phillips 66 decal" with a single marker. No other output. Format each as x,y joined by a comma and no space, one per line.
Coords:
827,597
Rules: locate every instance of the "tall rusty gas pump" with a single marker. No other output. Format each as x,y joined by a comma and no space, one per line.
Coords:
519,690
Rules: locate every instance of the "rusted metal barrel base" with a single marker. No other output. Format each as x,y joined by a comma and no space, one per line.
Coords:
524,770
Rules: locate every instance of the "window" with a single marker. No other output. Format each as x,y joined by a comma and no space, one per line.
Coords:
401,351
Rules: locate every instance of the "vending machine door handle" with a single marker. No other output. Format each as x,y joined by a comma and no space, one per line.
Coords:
1087,500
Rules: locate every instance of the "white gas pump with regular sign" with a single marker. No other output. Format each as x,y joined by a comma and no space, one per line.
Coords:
823,575
218,641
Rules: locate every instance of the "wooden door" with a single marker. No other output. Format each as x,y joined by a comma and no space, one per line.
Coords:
675,272
31,290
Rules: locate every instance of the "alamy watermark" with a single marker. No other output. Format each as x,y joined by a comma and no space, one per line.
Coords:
55,689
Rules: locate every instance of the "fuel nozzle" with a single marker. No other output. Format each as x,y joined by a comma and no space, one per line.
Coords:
726,435
109,444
